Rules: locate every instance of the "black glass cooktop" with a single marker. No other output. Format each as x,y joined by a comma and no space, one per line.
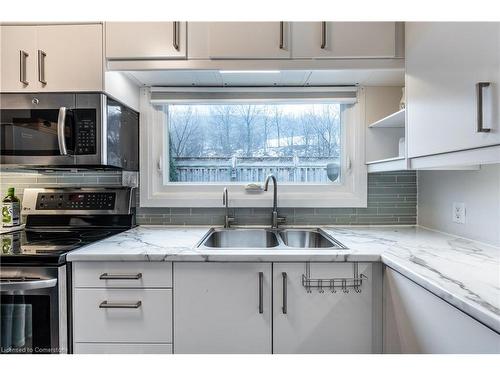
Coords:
47,246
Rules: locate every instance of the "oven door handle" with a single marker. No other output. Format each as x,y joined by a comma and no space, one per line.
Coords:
13,286
61,122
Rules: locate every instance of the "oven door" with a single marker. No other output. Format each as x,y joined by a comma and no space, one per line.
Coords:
30,311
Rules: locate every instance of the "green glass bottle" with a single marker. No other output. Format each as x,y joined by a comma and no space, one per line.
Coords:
11,209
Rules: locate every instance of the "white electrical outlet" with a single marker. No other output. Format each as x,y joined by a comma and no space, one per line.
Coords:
458,213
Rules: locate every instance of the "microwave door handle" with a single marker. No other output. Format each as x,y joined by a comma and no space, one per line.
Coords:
13,286
61,139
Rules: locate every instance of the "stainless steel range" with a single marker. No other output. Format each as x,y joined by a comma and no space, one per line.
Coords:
35,302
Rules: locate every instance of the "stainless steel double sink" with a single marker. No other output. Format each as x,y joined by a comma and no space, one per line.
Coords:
251,238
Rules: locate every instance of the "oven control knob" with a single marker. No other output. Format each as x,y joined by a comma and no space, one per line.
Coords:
35,101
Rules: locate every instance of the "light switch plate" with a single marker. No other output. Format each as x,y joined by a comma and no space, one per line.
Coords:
458,212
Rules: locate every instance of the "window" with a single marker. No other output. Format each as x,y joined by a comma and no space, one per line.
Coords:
194,143
213,143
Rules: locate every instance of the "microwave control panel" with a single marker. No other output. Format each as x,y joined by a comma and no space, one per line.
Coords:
76,201
85,129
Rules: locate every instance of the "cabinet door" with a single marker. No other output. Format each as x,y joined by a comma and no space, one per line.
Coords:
417,321
343,39
18,58
222,308
323,322
444,62
248,40
145,40
73,58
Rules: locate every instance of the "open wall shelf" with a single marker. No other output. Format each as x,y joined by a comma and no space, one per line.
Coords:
394,120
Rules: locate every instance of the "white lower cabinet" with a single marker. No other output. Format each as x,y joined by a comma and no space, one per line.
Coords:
240,307
222,308
226,308
325,322
417,321
122,307
123,315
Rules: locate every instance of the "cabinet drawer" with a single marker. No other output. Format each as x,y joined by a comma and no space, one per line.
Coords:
106,348
144,316
122,275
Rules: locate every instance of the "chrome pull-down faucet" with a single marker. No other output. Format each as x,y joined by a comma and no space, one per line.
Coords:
275,220
225,201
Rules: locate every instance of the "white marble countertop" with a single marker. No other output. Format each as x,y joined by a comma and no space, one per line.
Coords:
465,273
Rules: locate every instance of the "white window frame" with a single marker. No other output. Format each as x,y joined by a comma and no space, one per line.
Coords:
153,193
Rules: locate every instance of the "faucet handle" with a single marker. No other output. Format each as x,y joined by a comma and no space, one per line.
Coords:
228,220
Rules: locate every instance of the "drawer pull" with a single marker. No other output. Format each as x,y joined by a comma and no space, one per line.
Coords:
282,37
261,292
323,35
479,90
284,308
107,276
119,305
41,67
22,69
176,42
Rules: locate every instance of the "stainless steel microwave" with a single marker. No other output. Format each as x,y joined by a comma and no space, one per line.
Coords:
68,130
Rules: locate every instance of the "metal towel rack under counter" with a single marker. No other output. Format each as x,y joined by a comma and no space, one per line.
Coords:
334,284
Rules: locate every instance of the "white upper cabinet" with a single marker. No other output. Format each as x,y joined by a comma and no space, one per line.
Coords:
18,58
73,58
239,40
345,39
145,40
445,62
54,58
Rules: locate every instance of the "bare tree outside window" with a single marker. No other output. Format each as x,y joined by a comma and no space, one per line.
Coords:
299,143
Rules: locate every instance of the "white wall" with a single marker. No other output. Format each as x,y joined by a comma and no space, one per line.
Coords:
479,190
122,88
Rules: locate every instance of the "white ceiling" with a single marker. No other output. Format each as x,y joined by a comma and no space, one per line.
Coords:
215,78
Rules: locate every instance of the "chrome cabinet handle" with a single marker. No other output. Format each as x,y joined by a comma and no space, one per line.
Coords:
176,42
41,67
284,308
107,276
12,285
119,305
261,292
61,121
323,35
23,55
282,36
479,97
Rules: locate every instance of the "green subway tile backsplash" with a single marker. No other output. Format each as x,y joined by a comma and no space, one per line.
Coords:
392,199
33,179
